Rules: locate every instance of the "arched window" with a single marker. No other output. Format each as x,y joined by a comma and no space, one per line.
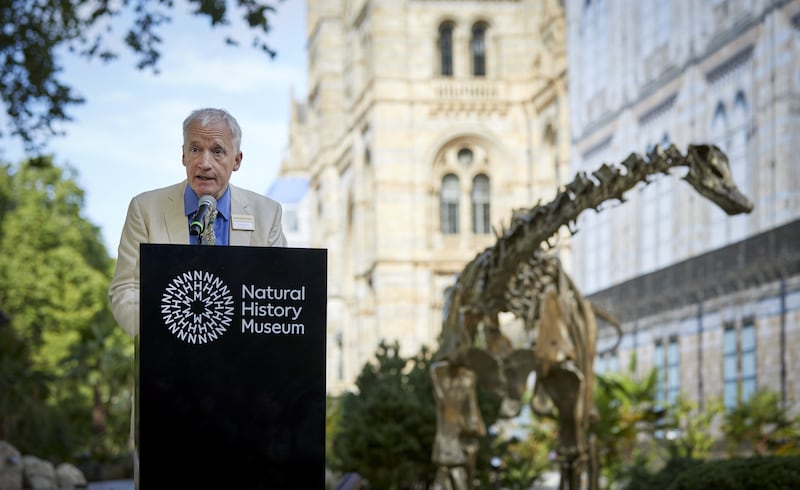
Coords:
594,36
478,49
737,151
449,204
719,126
480,205
719,136
446,49
656,21
737,158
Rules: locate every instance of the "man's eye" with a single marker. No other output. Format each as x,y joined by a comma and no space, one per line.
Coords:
219,151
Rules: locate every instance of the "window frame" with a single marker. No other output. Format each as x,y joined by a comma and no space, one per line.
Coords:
477,48
449,197
445,48
481,201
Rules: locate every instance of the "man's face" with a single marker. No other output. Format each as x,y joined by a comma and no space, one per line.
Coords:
209,158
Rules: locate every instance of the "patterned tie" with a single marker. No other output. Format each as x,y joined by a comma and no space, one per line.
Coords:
209,237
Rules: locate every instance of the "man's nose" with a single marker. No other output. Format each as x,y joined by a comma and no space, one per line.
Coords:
206,160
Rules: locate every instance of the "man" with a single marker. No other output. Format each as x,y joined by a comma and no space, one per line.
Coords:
211,153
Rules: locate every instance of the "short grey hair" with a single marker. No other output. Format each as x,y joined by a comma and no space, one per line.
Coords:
209,115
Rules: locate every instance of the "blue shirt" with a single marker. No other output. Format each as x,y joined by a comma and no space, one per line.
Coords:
221,228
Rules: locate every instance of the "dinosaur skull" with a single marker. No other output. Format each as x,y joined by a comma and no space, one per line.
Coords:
710,174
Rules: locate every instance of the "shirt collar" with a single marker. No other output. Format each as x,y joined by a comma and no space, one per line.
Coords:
191,202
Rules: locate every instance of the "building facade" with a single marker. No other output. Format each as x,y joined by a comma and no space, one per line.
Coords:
713,301
426,123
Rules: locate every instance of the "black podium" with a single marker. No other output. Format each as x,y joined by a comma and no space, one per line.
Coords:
230,368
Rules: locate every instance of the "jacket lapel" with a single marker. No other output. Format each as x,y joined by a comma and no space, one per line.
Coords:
174,219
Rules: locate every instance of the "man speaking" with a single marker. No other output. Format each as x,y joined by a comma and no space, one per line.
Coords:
203,209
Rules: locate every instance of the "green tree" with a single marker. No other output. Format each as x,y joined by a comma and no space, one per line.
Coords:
34,31
761,425
525,459
63,359
739,473
629,419
388,425
333,424
689,433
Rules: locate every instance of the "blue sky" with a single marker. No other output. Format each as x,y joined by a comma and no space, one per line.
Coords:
126,138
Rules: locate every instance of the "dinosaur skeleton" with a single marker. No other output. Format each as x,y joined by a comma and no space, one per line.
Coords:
518,275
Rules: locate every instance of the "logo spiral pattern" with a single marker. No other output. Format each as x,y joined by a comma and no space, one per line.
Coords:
197,307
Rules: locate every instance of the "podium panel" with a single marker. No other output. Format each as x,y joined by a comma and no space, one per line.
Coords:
230,368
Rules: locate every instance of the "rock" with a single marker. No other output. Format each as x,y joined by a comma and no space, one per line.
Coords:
69,477
39,474
10,467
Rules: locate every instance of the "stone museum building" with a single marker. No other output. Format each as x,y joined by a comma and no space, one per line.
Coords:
427,122
713,301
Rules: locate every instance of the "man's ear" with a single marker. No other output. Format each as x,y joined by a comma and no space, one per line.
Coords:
183,156
238,161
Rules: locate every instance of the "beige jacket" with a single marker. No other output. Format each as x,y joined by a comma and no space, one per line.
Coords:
158,217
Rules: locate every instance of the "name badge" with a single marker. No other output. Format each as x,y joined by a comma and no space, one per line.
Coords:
243,222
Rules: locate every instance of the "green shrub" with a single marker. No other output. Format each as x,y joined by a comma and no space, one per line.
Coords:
642,479
756,473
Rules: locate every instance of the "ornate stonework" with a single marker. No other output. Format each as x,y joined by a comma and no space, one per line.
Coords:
379,137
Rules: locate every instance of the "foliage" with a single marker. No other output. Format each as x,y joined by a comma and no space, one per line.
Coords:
761,472
642,479
382,435
761,425
33,32
525,460
66,369
758,425
333,424
387,427
690,433
628,420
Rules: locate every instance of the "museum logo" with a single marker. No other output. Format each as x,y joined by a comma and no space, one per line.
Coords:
197,307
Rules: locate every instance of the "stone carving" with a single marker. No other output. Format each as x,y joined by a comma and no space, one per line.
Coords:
518,275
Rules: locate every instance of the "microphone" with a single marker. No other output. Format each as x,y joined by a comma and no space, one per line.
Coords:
207,204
